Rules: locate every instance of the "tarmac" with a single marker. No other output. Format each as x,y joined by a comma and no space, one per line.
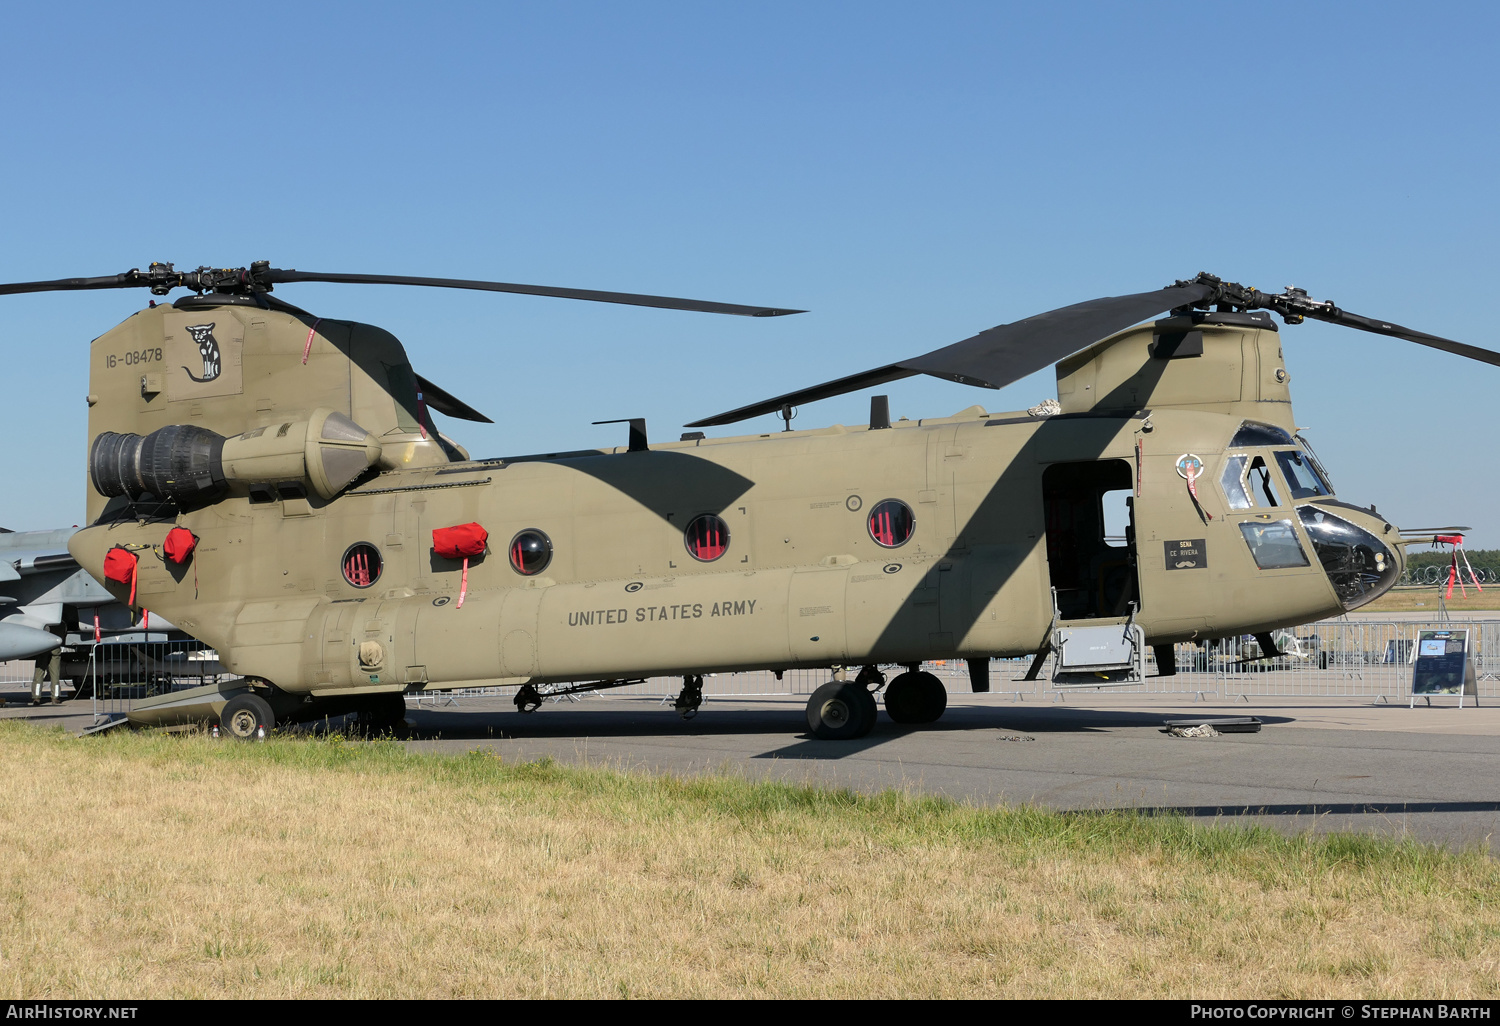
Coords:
1317,764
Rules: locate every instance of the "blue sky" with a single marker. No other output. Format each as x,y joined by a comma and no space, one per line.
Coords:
908,173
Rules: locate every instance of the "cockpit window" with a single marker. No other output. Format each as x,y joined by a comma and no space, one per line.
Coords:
1262,484
1247,486
1254,433
1301,474
1274,545
1233,482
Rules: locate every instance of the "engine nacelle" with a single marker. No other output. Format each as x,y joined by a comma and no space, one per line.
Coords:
184,463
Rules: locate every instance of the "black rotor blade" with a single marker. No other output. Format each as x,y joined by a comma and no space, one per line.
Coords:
1007,353
277,276
853,383
447,403
1447,345
1003,354
108,281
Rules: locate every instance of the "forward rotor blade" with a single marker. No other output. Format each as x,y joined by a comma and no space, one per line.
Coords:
1003,354
445,402
277,276
1007,353
1447,345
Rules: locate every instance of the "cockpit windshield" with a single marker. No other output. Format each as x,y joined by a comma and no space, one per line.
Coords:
1301,474
1312,454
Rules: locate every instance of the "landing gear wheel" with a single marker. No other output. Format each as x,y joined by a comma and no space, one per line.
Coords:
385,714
841,710
691,696
915,697
245,715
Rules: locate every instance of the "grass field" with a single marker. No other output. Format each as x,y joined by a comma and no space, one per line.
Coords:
1425,599
152,866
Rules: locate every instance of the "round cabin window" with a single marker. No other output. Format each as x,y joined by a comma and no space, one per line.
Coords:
362,564
707,537
530,552
891,523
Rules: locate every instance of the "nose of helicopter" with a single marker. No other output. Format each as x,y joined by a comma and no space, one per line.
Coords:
1358,549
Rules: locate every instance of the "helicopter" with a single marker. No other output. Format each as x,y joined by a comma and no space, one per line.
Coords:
272,482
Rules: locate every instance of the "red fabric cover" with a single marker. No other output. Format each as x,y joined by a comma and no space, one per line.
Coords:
179,544
1451,539
460,542
119,565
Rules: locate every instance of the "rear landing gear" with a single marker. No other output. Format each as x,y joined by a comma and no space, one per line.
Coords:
247,716
915,697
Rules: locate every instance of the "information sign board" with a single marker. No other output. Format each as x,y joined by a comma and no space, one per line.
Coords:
1443,666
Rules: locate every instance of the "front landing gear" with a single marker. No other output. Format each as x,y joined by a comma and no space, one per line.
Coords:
382,715
841,710
690,697
915,697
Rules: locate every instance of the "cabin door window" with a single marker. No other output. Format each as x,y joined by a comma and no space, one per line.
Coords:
1090,511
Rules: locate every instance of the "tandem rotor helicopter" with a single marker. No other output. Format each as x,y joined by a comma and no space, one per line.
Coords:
272,482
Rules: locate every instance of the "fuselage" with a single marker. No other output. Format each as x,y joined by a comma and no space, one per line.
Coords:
1004,509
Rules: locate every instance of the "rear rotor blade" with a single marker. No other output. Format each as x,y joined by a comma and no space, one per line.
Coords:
108,281
277,276
853,383
1001,355
446,402
261,277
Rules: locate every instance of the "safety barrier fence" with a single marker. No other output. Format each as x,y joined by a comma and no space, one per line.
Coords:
1435,575
119,673
1361,659
1358,659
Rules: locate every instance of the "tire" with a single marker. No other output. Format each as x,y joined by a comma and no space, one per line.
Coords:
384,714
903,699
840,710
915,698
244,715
869,709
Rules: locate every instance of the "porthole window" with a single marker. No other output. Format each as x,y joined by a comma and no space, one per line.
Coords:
707,537
530,552
362,564
891,523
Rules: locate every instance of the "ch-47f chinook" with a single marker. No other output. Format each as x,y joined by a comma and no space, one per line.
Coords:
271,481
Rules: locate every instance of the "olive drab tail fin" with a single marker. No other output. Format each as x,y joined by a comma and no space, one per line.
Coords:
222,394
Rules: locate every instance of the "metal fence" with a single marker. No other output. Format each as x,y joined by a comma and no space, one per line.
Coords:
16,671
1434,575
125,669
1359,659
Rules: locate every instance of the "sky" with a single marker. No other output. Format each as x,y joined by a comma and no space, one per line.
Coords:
908,173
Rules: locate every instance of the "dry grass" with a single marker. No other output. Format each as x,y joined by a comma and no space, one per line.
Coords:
151,866
1425,600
